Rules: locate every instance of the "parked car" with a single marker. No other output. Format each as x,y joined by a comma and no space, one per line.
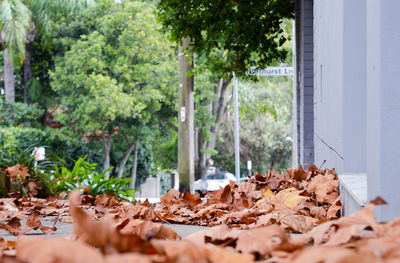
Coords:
213,182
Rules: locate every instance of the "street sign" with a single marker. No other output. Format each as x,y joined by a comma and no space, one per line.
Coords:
271,71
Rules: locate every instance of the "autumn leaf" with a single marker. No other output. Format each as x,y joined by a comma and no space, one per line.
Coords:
34,221
17,170
60,250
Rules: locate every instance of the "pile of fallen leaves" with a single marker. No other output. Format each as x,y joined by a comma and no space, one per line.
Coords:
297,201
356,238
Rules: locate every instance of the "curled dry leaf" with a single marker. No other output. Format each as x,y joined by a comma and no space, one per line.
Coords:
334,209
34,221
50,230
14,227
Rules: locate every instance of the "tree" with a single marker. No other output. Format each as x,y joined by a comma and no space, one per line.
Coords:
249,30
43,14
111,81
20,21
227,36
15,19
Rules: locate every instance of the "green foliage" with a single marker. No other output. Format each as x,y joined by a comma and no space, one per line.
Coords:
116,79
19,113
265,124
233,35
114,73
57,142
15,20
84,176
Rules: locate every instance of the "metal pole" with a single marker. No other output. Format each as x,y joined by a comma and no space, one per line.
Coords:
236,132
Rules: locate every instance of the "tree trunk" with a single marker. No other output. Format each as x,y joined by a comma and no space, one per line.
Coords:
27,71
134,165
30,36
124,160
107,150
8,77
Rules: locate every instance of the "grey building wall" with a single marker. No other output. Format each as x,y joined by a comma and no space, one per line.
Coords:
383,105
304,85
340,84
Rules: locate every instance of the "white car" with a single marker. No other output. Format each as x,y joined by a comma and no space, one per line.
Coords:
213,182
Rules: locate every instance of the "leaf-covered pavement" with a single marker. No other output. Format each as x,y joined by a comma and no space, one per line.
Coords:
251,222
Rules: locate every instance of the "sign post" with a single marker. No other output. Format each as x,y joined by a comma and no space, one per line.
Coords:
236,127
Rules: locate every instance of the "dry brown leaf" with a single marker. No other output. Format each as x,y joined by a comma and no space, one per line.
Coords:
147,230
322,185
17,170
50,230
299,174
318,212
331,255
171,197
226,196
334,209
297,223
190,200
246,187
178,251
261,241
216,232
2,243
127,258
14,227
103,234
219,255
186,251
378,201
34,221
48,250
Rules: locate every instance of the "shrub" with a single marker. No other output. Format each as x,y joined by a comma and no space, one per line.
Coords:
84,176
19,113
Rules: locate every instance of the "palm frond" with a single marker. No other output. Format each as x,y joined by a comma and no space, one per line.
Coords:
15,19
44,11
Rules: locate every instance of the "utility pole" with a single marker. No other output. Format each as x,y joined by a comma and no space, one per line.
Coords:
236,126
186,120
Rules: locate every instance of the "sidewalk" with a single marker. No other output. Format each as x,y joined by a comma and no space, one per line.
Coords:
66,229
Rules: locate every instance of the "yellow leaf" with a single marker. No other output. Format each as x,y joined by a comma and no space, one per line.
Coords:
268,194
293,198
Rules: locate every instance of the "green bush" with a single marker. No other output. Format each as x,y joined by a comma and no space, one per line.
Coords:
19,113
84,176
57,143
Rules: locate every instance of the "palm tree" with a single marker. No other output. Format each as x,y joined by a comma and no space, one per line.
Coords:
15,19
20,22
